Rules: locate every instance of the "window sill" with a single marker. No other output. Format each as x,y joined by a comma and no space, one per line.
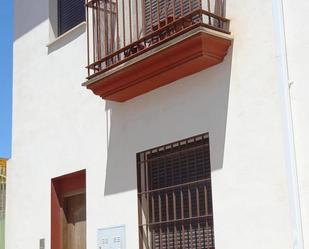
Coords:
80,28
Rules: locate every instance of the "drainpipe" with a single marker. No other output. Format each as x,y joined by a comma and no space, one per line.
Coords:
287,119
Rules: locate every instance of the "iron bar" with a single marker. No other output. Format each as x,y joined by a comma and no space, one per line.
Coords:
88,35
160,220
153,219
123,24
179,189
167,219
94,46
162,20
130,20
154,34
98,14
177,220
137,19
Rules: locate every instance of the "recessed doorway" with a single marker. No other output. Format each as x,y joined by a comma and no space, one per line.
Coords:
68,211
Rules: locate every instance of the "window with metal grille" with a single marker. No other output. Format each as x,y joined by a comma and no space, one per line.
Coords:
175,197
167,10
70,14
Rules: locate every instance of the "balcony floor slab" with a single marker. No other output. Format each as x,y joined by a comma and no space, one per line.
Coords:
195,51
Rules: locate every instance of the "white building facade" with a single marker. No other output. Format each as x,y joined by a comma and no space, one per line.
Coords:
259,186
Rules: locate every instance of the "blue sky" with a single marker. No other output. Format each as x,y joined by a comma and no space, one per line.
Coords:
6,31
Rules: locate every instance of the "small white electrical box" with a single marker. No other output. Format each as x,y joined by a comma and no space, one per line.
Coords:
111,238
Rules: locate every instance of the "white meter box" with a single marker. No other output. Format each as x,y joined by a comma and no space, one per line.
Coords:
111,238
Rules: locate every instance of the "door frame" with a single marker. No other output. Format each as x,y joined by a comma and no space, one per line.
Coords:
61,187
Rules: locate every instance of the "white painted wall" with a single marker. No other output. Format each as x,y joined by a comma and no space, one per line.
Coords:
298,53
60,127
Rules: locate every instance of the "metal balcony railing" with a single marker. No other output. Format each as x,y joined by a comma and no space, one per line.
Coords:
119,30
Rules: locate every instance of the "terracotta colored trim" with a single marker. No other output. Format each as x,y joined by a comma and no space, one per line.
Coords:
56,236
187,57
59,187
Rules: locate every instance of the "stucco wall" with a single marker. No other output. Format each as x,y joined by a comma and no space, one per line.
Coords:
60,127
298,52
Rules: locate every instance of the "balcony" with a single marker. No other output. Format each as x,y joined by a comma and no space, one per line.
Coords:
135,46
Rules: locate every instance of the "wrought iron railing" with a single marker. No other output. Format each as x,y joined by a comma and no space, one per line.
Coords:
119,30
175,196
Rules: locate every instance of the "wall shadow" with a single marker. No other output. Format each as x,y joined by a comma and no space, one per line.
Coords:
29,14
67,38
188,107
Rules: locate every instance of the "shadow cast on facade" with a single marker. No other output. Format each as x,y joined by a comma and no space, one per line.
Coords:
67,38
188,107
28,15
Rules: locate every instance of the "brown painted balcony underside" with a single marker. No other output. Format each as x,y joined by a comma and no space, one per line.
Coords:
191,55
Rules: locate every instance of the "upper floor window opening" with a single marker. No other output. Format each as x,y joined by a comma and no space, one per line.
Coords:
70,13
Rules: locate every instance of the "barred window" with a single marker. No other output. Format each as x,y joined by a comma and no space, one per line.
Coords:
174,196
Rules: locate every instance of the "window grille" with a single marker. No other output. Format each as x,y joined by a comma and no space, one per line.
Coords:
174,196
70,14
167,10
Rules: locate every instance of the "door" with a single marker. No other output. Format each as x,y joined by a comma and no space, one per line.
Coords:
74,221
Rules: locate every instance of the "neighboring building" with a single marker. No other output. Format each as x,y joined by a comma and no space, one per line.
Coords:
6,61
2,201
191,142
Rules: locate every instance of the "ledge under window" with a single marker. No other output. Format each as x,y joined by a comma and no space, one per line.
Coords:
68,36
